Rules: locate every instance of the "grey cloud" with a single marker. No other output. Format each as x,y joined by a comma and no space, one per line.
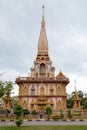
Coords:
66,25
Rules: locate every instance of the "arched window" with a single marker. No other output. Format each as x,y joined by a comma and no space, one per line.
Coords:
42,68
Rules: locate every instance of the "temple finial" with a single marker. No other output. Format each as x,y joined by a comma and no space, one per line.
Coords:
43,23
43,6
75,84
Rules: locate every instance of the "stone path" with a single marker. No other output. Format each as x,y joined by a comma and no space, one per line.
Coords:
42,123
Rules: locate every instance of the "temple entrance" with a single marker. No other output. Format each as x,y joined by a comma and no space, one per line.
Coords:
41,111
41,104
41,114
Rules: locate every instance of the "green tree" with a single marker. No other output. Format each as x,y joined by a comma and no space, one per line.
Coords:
80,94
5,88
84,102
1,89
18,111
85,105
69,103
8,86
14,101
72,94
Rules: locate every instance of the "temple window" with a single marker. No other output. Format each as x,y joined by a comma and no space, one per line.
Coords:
51,103
51,90
36,74
42,68
32,106
25,90
32,90
52,106
48,75
42,58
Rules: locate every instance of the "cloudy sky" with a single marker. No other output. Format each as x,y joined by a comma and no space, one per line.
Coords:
66,27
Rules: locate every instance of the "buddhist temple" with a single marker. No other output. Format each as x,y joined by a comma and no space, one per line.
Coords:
42,87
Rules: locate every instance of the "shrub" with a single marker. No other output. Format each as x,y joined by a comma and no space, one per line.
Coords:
61,114
76,114
48,110
7,112
56,117
69,113
26,112
18,122
34,112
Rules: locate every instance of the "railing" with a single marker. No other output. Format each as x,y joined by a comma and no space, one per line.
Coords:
42,79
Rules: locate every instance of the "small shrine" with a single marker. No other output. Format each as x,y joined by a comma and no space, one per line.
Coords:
76,100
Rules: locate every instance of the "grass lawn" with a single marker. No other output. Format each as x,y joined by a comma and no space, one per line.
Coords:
44,128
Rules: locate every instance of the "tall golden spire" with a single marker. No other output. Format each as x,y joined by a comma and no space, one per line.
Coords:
43,43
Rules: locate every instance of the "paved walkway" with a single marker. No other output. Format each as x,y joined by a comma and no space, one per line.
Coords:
42,123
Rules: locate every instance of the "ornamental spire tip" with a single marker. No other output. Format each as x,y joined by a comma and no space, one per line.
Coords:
43,23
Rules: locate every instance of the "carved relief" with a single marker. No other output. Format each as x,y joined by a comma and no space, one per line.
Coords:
51,90
58,104
58,90
25,105
32,104
41,91
52,103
